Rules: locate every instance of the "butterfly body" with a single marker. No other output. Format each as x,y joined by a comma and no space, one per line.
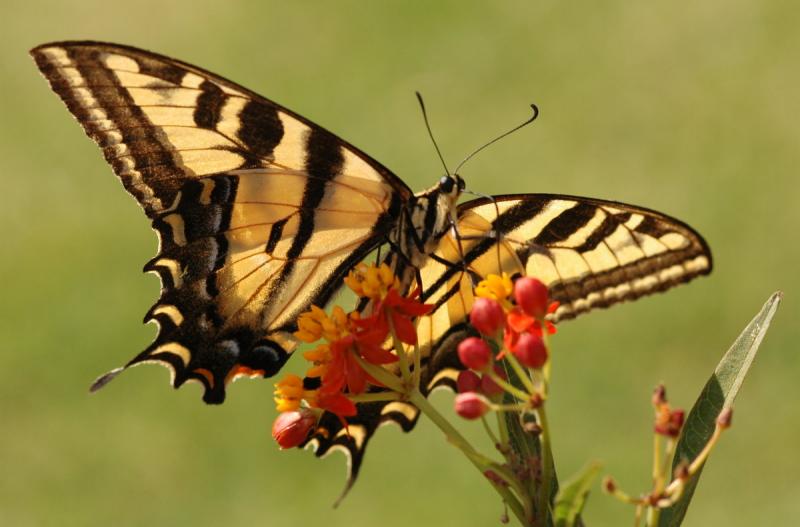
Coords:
260,213
426,218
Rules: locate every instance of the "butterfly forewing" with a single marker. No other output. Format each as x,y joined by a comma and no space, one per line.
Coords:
259,211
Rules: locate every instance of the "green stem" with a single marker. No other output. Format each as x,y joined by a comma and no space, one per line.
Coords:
417,373
489,431
547,365
522,374
381,374
505,385
401,352
502,429
518,407
375,397
455,437
547,465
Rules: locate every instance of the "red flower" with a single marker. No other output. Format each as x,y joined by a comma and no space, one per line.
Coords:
468,381
531,296
336,403
400,311
487,316
369,340
518,322
488,386
471,405
530,350
290,429
475,353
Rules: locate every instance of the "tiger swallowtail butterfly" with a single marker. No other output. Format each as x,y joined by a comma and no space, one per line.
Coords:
260,214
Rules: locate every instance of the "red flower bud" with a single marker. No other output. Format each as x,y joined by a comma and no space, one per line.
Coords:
669,422
487,316
290,429
531,296
530,350
468,381
659,395
725,417
471,405
488,386
474,353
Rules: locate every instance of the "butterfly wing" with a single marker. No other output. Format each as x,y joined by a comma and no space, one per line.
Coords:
591,254
259,212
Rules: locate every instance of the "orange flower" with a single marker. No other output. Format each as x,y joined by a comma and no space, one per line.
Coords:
372,281
289,393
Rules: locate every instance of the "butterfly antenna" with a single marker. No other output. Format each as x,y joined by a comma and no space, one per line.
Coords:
430,133
526,123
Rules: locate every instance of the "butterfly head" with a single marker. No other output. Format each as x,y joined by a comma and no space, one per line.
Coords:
451,185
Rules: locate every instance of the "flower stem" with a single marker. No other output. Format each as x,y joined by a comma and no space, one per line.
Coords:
455,437
510,388
401,352
547,365
375,397
489,431
417,373
381,374
521,373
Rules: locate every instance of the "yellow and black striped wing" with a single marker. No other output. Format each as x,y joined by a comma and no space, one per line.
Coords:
591,253
259,211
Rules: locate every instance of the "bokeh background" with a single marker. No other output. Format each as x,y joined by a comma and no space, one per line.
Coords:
686,107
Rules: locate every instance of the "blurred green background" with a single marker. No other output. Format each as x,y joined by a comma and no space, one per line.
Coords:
686,107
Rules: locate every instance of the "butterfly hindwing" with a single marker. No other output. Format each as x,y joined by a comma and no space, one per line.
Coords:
259,212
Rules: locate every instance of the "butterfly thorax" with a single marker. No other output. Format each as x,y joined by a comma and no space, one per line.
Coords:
426,218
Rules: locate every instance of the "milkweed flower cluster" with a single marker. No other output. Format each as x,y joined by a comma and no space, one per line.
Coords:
350,353
507,368
511,320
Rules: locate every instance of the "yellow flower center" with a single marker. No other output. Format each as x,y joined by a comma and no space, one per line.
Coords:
371,281
496,287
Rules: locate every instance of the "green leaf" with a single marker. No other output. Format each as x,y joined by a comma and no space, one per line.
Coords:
718,393
572,497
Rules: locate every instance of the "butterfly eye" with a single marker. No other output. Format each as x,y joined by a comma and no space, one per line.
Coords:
461,183
446,184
